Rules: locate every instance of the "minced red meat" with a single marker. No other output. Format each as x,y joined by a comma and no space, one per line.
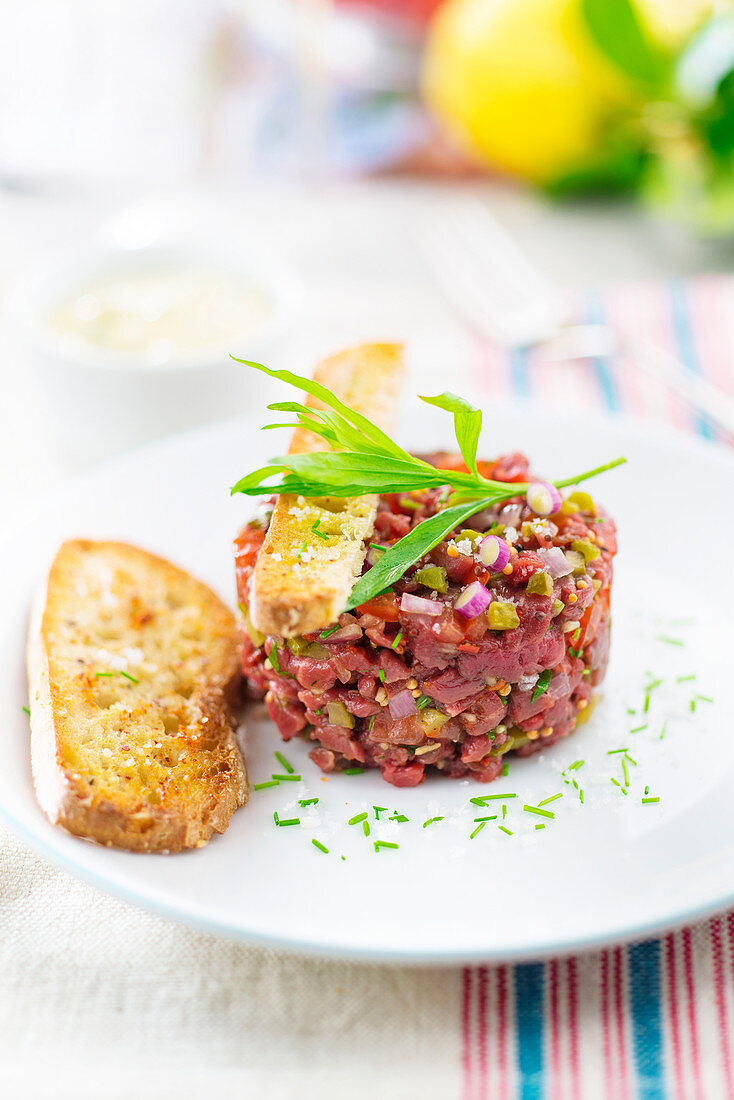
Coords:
476,690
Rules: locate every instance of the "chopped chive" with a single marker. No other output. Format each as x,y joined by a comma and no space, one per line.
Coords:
482,800
262,786
618,784
492,817
504,811
357,818
646,800
132,679
307,801
400,818
662,731
398,640
286,820
575,766
378,810
431,821
693,705
381,674
503,829
316,531
631,710
653,684
385,844
586,672
581,796
329,632
613,752
575,652
540,825
275,663
505,770
366,828
704,699
287,778
284,763
319,845
576,635
670,641
374,546
477,830
639,729
685,679
423,701
353,771
538,811
647,790
625,771
104,674
26,710
371,722
646,705
552,798
630,760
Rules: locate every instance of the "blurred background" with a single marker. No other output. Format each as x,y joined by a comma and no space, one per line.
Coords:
184,178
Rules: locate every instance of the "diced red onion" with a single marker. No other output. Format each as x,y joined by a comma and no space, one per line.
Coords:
543,498
419,605
402,705
374,555
559,686
494,552
511,515
473,600
349,633
555,561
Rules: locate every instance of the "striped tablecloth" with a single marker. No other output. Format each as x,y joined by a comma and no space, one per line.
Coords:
97,997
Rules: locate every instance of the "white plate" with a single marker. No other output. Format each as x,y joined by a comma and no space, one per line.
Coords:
609,869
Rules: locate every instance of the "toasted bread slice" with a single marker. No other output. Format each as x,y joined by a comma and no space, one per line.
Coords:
133,670
297,592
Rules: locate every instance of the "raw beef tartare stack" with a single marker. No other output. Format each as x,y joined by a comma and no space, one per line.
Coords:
490,641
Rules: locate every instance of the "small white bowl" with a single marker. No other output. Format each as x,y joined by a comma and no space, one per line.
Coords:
103,401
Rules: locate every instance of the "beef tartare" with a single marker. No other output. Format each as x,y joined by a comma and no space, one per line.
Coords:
492,643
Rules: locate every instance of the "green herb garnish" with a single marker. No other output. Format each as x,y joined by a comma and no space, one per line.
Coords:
307,801
385,844
503,829
319,845
542,684
329,632
645,801
538,811
362,459
478,829
287,778
26,710
398,640
100,674
284,763
357,818
352,771
285,820
315,528
132,679
552,798
431,821
267,783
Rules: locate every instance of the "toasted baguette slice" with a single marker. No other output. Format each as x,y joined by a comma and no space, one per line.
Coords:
295,592
133,671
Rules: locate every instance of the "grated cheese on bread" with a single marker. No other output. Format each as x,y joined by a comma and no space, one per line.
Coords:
298,592
134,671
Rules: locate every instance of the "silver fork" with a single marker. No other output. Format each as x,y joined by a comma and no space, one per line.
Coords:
499,292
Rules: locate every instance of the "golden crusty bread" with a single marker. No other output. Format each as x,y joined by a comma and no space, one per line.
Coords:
133,669
297,592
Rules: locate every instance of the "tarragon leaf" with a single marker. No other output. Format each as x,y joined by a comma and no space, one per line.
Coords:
394,562
541,685
467,424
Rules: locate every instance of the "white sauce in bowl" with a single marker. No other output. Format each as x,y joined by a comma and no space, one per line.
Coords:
157,315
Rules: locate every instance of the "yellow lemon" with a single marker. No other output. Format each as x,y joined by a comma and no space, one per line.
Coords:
522,84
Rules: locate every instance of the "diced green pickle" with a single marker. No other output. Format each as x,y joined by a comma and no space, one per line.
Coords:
540,584
317,651
578,561
340,716
596,585
582,501
433,577
586,548
469,533
432,720
297,645
502,616
558,606
527,530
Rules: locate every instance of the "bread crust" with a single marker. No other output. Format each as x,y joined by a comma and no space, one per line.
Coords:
169,817
296,593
